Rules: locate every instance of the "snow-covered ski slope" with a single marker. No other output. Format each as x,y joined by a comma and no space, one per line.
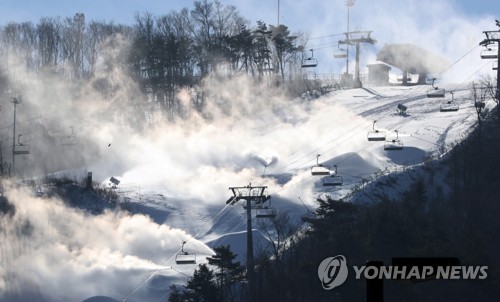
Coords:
175,181
336,127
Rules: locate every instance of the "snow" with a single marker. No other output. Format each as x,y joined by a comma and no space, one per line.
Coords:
179,193
424,130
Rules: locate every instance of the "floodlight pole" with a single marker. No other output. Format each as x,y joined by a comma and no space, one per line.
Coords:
278,13
349,4
15,100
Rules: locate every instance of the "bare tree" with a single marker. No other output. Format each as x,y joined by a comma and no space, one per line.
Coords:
281,232
488,84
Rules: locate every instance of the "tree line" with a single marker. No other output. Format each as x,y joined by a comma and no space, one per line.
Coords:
165,52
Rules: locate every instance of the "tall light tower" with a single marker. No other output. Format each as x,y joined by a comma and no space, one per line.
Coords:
15,100
278,13
349,4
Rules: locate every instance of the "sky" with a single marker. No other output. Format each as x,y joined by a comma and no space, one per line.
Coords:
448,27
296,12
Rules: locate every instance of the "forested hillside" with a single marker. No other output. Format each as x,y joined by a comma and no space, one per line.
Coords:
161,53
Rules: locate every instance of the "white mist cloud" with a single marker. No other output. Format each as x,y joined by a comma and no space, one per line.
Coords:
195,158
69,255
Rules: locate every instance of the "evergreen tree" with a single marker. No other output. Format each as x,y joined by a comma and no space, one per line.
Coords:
201,287
228,271
175,295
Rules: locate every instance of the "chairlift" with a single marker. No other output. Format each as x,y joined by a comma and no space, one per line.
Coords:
450,105
395,144
310,62
319,169
489,53
340,53
69,140
333,180
435,92
184,257
263,208
495,65
266,212
20,148
375,134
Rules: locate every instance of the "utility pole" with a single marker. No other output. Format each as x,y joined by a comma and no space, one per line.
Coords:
356,38
349,4
278,13
493,37
254,196
15,100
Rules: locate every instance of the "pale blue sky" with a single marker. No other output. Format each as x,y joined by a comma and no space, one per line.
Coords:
123,11
449,27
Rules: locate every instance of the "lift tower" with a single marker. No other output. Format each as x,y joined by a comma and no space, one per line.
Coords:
356,38
255,196
493,37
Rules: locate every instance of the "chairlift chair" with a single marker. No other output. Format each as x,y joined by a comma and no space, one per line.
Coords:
489,53
263,208
395,144
450,105
20,148
495,65
69,140
333,180
340,53
184,257
265,212
310,62
320,169
376,135
435,92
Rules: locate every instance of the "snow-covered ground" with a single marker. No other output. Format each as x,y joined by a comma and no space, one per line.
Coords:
341,121
178,185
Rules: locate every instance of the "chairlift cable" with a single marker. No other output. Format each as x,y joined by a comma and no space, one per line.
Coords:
169,259
306,178
327,36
